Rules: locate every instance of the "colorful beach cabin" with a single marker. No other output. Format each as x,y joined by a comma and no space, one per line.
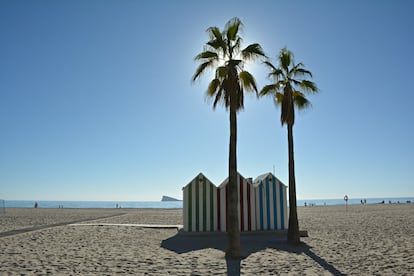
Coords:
271,203
262,204
246,204
200,205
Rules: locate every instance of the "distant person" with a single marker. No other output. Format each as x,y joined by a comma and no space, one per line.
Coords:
305,204
365,201
36,205
362,202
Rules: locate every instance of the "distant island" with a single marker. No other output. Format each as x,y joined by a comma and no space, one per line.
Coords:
167,198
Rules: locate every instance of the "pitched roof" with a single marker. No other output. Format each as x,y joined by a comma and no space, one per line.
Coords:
262,177
197,177
227,180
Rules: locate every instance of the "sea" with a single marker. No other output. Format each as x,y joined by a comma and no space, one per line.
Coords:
179,204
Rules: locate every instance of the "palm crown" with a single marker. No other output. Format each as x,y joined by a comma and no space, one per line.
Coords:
223,53
289,85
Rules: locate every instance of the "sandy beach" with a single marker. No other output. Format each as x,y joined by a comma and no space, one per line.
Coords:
365,240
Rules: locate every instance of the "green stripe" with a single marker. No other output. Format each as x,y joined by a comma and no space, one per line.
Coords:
197,206
190,207
204,206
211,208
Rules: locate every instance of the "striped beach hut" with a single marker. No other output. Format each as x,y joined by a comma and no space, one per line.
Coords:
200,205
246,204
271,203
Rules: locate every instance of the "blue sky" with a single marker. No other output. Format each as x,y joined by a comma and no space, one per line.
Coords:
96,99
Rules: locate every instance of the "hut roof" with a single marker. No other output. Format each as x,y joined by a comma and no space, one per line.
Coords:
262,177
227,180
197,177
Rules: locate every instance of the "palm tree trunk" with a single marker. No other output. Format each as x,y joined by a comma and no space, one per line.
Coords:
293,231
233,231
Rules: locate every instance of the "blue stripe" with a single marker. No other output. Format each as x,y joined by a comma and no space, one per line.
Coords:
274,203
282,212
261,206
267,204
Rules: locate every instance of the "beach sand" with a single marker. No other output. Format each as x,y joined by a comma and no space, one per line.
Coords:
365,240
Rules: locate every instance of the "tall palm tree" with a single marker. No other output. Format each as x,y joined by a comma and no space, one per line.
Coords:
223,54
289,89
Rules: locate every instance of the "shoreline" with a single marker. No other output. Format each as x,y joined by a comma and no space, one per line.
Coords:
179,204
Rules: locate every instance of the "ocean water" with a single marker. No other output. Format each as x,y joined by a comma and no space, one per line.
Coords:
179,204
93,204
352,201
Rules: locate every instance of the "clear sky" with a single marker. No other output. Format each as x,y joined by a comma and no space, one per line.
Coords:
96,99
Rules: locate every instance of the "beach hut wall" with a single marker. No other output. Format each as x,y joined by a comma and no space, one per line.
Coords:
200,205
271,203
246,204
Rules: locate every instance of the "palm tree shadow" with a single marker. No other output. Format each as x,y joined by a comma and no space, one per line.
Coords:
307,250
251,243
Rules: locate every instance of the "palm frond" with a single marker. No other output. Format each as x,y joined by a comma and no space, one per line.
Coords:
276,74
230,81
308,86
278,98
300,100
248,82
207,55
296,82
212,87
296,66
232,31
270,65
221,72
232,28
288,89
235,49
201,68
285,59
234,63
252,52
219,96
299,71
214,33
269,89
217,45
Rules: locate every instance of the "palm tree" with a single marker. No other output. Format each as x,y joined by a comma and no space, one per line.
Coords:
223,54
288,90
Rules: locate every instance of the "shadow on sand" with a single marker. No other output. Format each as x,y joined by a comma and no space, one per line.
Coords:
251,243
